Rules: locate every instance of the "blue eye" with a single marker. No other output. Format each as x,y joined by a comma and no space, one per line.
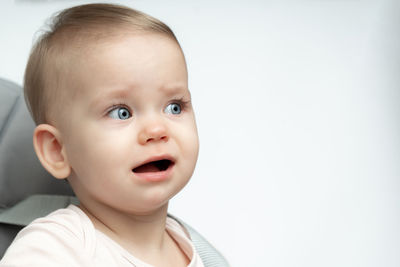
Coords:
173,108
120,113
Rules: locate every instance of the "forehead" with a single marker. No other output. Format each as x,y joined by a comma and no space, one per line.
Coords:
133,60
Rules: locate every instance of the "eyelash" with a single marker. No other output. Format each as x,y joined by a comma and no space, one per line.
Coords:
183,103
119,105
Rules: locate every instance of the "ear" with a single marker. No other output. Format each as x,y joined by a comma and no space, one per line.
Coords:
50,150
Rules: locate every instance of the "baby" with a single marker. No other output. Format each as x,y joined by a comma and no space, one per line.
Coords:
108,89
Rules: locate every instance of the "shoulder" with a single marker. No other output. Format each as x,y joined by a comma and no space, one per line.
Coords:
69,224
60,239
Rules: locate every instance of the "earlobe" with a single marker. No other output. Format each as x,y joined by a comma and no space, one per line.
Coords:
50,151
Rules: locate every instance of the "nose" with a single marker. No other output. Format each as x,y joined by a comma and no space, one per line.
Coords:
153,131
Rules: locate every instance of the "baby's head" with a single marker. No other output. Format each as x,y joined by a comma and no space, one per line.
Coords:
108,88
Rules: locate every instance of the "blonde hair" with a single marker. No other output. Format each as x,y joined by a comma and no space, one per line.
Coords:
71,28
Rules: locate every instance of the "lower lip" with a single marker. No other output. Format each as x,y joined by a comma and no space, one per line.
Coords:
155,176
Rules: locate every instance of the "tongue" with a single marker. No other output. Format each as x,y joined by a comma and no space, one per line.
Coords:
149,167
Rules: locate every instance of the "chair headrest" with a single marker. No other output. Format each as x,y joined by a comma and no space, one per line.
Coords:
21,173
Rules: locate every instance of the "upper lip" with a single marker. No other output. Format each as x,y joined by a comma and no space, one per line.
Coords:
156,158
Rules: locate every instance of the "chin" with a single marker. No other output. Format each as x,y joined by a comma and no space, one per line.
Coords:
156,200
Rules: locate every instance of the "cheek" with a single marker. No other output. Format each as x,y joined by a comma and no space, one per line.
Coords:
189,143
99,151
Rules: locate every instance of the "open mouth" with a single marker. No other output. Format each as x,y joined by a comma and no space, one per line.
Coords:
154,166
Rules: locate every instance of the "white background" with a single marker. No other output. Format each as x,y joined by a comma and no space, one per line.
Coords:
298,109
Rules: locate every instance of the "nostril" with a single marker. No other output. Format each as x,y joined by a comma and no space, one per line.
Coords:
161,138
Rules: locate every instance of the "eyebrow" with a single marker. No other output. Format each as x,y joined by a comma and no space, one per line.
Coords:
114,94
174,89
124,92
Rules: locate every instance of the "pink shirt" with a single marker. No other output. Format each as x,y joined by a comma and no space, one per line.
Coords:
67,237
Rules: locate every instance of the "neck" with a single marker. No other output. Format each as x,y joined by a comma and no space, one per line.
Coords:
143,234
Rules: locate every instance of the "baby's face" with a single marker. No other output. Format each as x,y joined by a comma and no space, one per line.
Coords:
130,134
